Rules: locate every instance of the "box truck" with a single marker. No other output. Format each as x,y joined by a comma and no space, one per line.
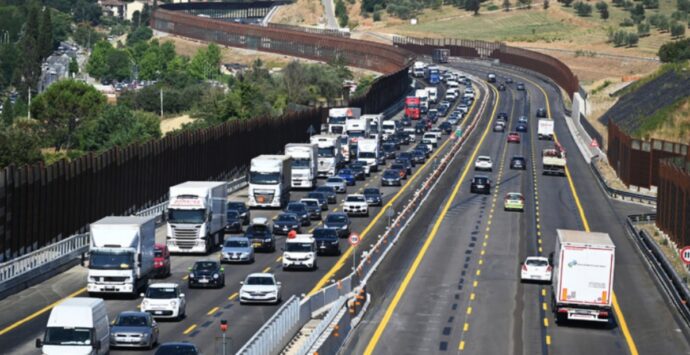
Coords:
78,325
304,168
582,276
545,128
368,151
196,216
329,153
121,254
338,116
270,181
553,160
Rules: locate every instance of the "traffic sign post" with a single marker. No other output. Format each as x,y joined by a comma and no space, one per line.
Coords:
685,255
354,240
458,132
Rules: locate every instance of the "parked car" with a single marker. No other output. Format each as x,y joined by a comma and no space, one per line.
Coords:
260,235
132,329
513,137
518,163
161,260
177,348
164,300
338,221
206,273
300,210
338,183
327,241
329,192
234,222
373,196
480,184
237,249
242,209
285,222
536,268
321,197
260,288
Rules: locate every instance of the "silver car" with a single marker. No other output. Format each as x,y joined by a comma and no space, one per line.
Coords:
339,184
237,249
133,329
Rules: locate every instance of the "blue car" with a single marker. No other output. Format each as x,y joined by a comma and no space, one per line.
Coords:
521,128
348,175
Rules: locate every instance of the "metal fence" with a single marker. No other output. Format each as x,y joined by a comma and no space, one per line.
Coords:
673,200
277,331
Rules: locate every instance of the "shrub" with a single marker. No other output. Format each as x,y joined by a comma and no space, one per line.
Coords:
651,4
377,16
583,10
627,23
677,29
631,39
643,29
672,52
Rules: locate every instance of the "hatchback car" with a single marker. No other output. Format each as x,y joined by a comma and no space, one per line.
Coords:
391,177
513,137
285,222
514,201
132,329
483,162
242,209
260,235
338,221
260,288
164,300
237,250
177,348
321,197
509,80
234,222
536,268
373,196
518,163
329,192
480,184
338,183
300,210
206,273
499,127
161,260
327,241
522,119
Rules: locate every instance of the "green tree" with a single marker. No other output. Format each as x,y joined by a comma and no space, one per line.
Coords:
604,14
583,10
7,112
601,5
118,126
651,4
643,29
637,13
45,34
108,63
19,146
567,3
683,5
30,56
97,65
9,63
73,67
677,29
617,3
151,64
85,11
631,39
142,33
62,26
472,5
546,4
676,51
86,36
206,63
525,3
64,107
663,24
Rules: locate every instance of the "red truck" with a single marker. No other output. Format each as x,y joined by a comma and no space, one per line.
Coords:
412,105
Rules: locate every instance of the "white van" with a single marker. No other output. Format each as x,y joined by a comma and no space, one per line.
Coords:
77,326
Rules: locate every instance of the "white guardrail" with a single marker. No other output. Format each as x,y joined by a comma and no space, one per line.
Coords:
21,270
333,297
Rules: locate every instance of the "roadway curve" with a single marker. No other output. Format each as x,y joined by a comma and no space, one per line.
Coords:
454,283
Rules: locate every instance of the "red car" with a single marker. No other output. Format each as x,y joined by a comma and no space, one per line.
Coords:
161,260
513,137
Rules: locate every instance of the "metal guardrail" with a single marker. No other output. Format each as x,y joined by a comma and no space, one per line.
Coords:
325,322
620,194
669,280
270,338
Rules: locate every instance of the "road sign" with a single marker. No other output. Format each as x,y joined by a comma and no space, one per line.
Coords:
594,144
458,132
685,255
354,239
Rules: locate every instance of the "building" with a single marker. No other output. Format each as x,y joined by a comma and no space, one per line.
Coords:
56,66
122,10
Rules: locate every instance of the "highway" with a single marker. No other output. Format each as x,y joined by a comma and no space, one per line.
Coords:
453,285
23,316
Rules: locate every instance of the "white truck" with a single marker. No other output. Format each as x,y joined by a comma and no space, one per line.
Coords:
338,116
357,129
423,96
418,69
545,128
375,123
389,128
78,325
120,254
270,181
582,276
329,155
368,151
197,215
304,164
432,92
553,160
300,252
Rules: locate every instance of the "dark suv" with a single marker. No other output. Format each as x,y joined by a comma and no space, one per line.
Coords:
241,208
261,236
327,241
481,184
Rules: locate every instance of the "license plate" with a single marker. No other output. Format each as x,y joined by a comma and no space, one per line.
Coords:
323,247
234,257
257,245
203,281
158,312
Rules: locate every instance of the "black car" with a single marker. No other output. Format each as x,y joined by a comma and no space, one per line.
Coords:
501,87
177,348
358,170
285,222
509,80
242,209
261,237
433,115
329,191
520,87
373,196
300,210
206,273
405,162
389,150
339,222
480,184
419,128
443,110
323,200
446,127
418,156
502,116
424,148
391,177
234,223
406,122
314,208
541,112
327,242
403,138
518,163
521,127
408,156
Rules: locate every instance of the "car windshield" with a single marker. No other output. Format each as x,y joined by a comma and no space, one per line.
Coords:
389,147
323,233
480,180
161,292
258,178
345,172
371,191
68,336
397,166
102,259
237,206
514,196
294,207
536,262
286,218
301,163
299,247
205,266
236,244
355,199
131,320
186,216
355,134
158,253
311,203
260,280
334,218
337,119
233,215
335,180
367,155
327,152
257,229
390,174
325,189
484,159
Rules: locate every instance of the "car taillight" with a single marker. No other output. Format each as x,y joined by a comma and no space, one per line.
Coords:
603,314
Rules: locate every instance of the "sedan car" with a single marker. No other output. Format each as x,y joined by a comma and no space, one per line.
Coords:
234,222
348,175
285,222
373,196
356,205
177,348
300,210
424,148
446,127
338,221
406,121
501,87
406,156
401,169
502,116
313,207
499,127
518,163
260,235
242,209
329,192
420,128
338,183
483,162
206,273
260,288
237,249
536,268
480,184
520,87
521,127
327,241
541,112
522,119
509,80
164,300
321,197
132,329
407,163
389,150
514,201
418,156
513,137
359,169
391,177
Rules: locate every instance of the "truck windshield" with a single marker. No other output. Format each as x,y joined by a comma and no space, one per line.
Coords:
186,216
68,336
367,155
327,152
264,178
355,134
412,106
300,163
299,247
100,259
336,119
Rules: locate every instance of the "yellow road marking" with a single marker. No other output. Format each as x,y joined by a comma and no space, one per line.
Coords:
280,258
546,322
475,283
472,296
213,311
469,310
232,297
267,269
40,311
371,346
189,330
466,327
548,340
185,277
461,346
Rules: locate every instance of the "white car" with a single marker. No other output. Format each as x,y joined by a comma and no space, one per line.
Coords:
356,204
437,131
431,137
300,252
260,288
536,268
483,162
411,133
164,300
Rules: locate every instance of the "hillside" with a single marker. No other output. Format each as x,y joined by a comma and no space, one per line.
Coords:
656,107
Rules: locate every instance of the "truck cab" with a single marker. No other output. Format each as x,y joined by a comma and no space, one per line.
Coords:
328,152
304,168
299,252
368,151
338,116
78,325
270,181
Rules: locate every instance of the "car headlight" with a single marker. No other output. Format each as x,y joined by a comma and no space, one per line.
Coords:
245,254
344,227
191,276
267,240
173,303
335,242
215,276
